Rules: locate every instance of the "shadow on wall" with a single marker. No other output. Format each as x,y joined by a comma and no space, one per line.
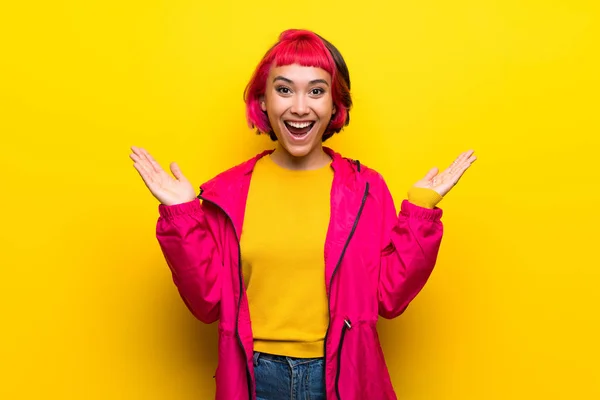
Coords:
186,347
443,326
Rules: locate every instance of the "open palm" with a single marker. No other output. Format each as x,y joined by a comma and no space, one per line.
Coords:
447,179
164,187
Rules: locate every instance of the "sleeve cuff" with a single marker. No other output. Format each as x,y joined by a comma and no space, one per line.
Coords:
424,197
175,210
411,210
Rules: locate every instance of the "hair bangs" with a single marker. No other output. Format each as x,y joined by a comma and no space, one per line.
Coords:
309,52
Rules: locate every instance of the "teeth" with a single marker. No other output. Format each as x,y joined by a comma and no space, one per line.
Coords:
299,125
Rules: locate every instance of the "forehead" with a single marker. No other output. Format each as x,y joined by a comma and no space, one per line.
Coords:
298,73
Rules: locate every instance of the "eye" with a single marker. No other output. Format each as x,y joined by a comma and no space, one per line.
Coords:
317,91
283,90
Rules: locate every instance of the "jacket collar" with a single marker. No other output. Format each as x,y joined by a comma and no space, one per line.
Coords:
229,190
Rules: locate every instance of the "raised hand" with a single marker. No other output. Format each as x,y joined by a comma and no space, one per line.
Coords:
164,187
447,179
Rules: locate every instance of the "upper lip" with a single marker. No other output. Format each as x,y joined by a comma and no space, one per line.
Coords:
299,121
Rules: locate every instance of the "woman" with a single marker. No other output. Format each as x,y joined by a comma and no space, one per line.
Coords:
297,251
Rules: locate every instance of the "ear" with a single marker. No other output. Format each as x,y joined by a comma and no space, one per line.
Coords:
263,105
334,110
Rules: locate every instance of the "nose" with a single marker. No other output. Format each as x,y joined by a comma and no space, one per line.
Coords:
300,105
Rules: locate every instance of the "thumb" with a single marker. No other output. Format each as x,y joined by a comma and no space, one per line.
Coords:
431,174
177,172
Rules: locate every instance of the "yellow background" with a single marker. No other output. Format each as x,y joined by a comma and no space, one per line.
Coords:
87,304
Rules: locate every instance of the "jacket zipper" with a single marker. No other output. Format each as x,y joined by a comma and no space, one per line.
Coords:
362,205
347,326
237,318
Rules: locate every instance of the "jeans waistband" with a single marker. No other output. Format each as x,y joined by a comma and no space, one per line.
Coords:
283,359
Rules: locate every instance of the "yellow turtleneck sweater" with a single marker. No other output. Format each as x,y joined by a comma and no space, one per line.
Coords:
282,243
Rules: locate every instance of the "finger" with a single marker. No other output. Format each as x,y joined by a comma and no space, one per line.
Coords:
459,169
467,163
460,172
140,159
143,164
147,178
463,158
155,166
135,157
431,174
136,150
177,172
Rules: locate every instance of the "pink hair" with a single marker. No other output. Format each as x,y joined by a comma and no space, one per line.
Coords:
309,50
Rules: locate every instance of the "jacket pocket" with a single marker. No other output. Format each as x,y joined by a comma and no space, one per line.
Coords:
347,325
361,369
230,376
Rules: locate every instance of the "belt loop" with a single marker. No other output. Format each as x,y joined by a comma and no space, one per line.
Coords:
255,358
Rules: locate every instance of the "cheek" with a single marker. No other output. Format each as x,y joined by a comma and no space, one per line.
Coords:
274,114
276,105
325,112
273,120
326,108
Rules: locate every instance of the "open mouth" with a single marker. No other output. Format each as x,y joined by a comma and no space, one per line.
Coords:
299,130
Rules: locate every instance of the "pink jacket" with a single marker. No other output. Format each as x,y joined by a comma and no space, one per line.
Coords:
376,262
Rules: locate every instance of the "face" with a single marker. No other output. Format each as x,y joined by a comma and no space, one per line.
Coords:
299,105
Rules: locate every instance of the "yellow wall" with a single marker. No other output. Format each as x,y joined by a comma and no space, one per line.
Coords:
87,304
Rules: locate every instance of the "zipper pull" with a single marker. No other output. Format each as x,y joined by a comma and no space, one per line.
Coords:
348,323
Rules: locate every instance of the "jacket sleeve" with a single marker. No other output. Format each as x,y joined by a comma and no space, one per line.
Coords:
411,241
191,251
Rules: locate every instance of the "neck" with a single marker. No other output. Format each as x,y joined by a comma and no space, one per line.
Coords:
315,159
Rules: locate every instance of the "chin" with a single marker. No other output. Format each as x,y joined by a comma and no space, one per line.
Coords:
298,151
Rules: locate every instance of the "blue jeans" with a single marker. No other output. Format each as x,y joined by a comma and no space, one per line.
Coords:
287,378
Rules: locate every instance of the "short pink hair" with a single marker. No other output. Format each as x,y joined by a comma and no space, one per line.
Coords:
308,49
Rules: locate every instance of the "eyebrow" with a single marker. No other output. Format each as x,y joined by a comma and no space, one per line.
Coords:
314,81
